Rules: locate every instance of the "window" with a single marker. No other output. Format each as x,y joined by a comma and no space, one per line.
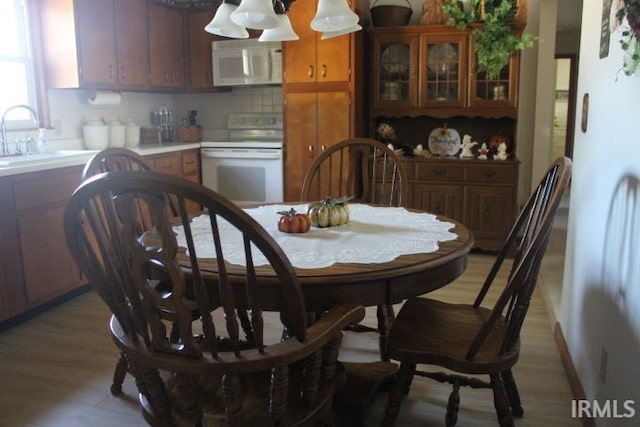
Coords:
17,82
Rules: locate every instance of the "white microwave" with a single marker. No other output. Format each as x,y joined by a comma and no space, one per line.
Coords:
246,62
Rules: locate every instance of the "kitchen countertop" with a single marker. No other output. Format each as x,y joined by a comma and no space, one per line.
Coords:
80,157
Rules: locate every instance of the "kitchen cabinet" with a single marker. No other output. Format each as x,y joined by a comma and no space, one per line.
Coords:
431,70
185,164
95,43
166,47
311,59
315,121
200,77
12,297
36,267
323,92
481,194
48,268
132,43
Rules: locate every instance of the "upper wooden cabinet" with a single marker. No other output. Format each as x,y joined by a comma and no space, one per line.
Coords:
132,41
95,43
430,70
312,59
166,47
200,76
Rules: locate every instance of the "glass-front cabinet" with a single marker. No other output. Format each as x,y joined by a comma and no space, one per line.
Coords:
395,65
431,70
497,92
443,62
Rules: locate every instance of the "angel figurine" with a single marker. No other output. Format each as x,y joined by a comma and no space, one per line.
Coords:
467,145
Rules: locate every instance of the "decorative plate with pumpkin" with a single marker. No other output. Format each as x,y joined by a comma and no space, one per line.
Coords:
444,142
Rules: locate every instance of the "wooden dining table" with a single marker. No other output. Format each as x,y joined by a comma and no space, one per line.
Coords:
417,262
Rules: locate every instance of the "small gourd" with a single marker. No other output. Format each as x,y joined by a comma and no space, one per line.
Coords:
329,212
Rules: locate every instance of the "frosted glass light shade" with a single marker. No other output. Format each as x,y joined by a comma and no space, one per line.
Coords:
283,32
333,15
221,25
332,34
255,14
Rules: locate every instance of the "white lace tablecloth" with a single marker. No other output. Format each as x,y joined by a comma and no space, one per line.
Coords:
372,235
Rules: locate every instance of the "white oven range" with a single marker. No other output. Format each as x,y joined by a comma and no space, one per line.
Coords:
246,168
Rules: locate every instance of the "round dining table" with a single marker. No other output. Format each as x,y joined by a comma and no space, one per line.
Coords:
382,256
362,276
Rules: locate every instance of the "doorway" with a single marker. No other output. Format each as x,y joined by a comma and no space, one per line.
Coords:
565,106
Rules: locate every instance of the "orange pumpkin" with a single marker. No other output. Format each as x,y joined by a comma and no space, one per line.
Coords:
497,139
292,222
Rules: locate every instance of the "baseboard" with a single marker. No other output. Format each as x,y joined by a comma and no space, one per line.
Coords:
570,369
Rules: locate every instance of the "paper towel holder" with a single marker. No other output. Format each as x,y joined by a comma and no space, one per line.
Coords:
103,97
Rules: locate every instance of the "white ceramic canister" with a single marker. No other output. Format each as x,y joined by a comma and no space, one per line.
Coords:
117,133
132,134
96,135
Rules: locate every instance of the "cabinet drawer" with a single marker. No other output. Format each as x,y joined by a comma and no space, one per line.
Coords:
190,163
440,172
42,189
493,172
171,164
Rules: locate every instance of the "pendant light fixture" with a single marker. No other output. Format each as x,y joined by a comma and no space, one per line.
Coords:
232,18
284,31
255,14
333,15
222,25
331,34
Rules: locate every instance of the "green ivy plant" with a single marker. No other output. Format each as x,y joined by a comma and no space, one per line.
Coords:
629,39
494,40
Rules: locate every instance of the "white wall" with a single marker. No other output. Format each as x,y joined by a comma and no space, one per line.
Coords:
601,296
70,109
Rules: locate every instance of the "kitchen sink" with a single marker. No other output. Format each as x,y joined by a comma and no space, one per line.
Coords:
24,160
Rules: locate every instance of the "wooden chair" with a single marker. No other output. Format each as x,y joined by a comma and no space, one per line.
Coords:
469,339
208,372
371,172
122,159
348,168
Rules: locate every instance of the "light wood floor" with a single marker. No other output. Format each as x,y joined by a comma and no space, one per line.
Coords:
55,370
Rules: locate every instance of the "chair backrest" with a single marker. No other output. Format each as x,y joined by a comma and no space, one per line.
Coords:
527,242
361,167
121,261
115,159
121,159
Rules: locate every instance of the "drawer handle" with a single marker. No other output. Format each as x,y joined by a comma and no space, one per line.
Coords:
440,172
310,71
490,173
324,70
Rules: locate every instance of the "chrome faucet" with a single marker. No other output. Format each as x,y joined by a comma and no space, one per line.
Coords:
3,126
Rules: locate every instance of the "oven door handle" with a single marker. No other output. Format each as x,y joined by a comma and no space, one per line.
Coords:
240,153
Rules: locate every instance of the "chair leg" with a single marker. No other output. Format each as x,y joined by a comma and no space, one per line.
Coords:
500,401
385,319
453,405
512,393
119,374
397,393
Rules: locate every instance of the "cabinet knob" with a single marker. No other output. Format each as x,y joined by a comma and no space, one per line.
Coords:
324,70
440,172
323,147
490,173
310,149
123,75
310,71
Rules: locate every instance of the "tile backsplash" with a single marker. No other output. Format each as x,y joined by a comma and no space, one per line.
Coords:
70,108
